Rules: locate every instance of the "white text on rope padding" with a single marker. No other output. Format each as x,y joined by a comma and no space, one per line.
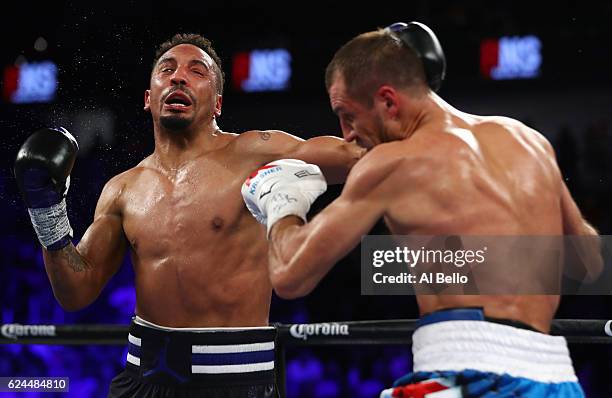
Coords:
15,330
302,331
607,329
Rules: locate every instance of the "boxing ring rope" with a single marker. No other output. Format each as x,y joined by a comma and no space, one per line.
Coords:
380,332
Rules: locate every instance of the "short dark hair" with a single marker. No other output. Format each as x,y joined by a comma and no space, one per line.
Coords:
198,41
371,60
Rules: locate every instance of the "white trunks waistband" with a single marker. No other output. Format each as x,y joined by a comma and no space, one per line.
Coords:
490,347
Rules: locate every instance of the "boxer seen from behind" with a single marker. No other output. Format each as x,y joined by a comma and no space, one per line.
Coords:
431,170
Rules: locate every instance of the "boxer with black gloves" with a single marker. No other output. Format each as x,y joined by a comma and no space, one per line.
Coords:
201,275
42,170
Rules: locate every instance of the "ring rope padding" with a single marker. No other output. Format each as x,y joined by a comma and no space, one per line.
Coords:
374,332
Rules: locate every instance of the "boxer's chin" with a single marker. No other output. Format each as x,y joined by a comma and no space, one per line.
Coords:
176,123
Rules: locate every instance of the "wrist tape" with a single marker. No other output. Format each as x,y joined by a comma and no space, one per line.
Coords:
51,223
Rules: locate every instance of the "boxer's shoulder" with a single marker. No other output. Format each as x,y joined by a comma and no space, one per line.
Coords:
115,188
263,146
505,124
501,121
128,180
382,166
411,154
517,130
264,141
133,174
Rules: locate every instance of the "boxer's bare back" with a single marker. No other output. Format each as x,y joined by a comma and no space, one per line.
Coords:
450,173
475,185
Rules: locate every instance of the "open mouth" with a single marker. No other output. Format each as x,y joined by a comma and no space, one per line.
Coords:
178,100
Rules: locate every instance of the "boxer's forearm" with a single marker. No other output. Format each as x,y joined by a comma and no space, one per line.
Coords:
301,255
72,278
297,260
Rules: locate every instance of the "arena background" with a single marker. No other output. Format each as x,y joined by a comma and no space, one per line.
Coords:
104,51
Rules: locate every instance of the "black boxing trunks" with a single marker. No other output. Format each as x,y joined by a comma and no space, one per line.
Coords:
197,362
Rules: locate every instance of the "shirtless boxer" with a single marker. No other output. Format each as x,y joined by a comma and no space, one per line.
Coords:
430,170
199,258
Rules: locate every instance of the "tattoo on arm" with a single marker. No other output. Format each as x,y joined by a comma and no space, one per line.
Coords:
264,135
73,259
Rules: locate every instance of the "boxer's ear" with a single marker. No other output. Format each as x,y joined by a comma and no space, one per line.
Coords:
147,100
218,105
387,100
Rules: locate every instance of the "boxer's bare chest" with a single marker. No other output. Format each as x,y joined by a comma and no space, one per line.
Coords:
192,208
194,243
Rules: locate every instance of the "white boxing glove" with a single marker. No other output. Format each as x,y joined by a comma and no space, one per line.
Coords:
282,188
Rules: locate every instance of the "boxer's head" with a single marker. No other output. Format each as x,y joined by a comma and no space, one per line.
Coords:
186,84
365,79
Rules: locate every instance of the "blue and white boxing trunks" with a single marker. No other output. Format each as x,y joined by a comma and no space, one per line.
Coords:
458,353
197,362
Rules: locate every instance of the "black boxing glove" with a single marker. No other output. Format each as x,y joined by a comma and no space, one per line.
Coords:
42,170
423,41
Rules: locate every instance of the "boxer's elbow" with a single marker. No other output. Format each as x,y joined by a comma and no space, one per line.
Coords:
593,254
595,262
291,292
288,285
71,305
596,269
73,300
